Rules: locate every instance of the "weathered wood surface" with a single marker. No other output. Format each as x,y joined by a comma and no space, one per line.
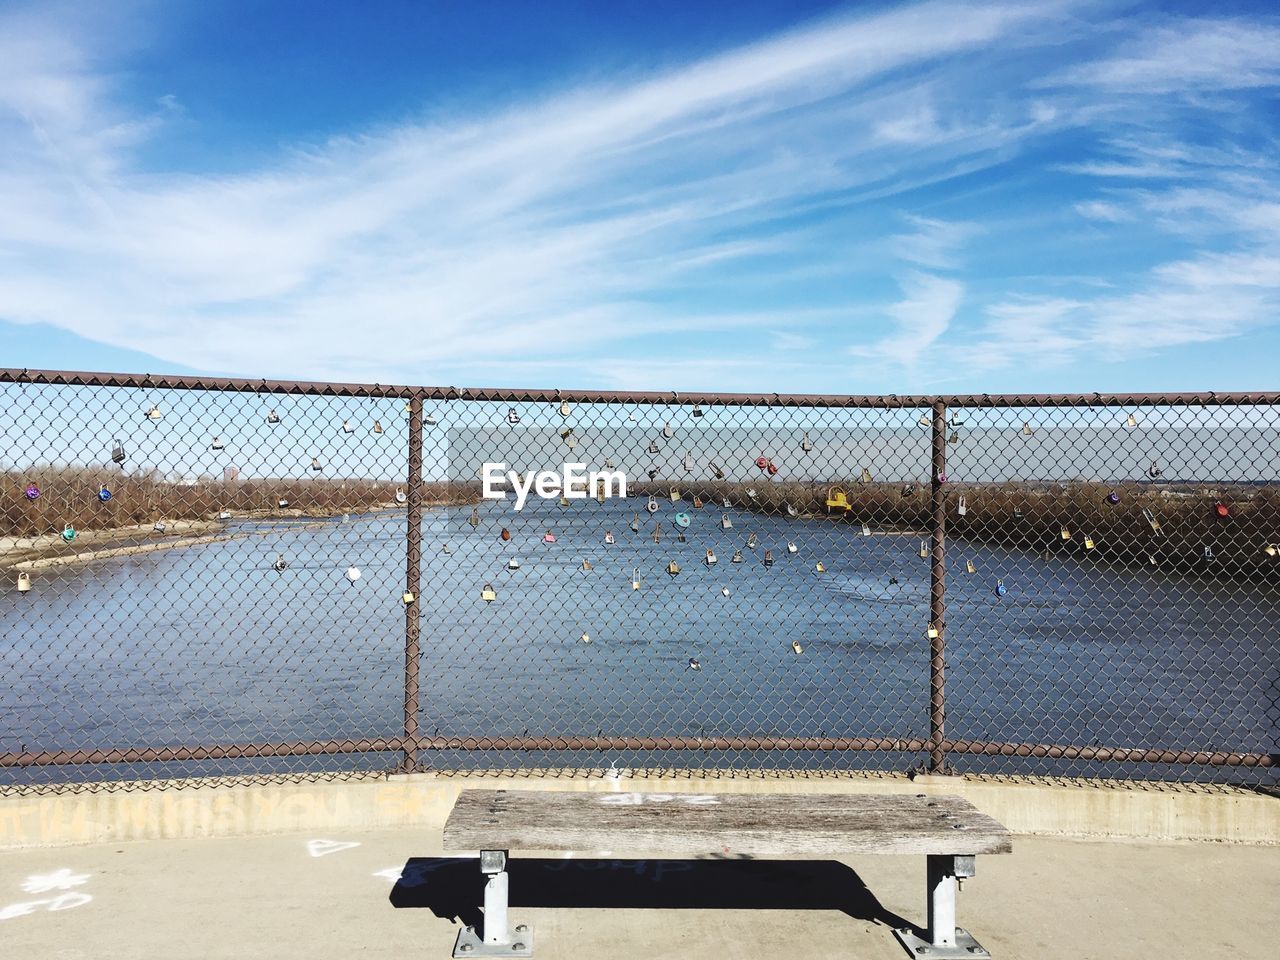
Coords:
687,824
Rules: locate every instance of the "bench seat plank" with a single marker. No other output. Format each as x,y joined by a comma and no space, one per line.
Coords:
628,824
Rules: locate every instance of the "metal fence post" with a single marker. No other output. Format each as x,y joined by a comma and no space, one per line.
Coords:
938,594
412,586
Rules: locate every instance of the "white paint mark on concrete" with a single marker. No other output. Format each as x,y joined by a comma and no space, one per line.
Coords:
322,848
416,873
19,909
62,879
65,901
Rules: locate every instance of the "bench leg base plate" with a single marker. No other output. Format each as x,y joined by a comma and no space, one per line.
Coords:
965,947
471,944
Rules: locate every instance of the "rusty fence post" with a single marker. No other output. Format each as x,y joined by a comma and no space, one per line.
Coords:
938,595
413,586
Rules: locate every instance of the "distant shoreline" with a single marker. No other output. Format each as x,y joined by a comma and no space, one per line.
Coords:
1143,524
25,554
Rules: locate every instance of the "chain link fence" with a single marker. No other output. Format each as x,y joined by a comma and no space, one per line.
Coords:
246,577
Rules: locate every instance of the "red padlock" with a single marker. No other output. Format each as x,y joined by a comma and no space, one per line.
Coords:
772,468
1221,509
762,463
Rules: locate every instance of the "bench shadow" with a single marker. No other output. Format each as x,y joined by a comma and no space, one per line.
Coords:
453,888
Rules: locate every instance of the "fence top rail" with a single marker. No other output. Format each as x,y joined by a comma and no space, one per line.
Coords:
79,378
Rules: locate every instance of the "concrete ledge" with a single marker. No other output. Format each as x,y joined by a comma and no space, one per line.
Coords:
196,809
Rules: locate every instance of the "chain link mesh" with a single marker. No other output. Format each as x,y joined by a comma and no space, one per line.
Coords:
225,578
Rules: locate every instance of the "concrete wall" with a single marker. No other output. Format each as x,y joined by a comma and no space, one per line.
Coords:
421,801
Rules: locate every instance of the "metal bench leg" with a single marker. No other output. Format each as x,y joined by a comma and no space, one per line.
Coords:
498,939
944,939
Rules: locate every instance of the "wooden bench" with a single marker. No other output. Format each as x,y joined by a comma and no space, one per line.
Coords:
948,830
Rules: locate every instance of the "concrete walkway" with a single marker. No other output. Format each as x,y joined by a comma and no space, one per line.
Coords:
338,896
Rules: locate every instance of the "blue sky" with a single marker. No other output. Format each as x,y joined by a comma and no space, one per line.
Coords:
758,197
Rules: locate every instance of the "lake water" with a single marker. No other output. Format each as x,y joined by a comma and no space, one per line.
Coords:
209,645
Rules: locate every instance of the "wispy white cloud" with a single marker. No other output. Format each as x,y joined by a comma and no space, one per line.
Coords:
563,236
1191,55
929,301
1218,196
912,127
1200,300
933,243
1116,168
539,229
1102,210
927,307
783,340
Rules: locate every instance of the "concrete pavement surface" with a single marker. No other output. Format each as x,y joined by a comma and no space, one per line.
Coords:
391,894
